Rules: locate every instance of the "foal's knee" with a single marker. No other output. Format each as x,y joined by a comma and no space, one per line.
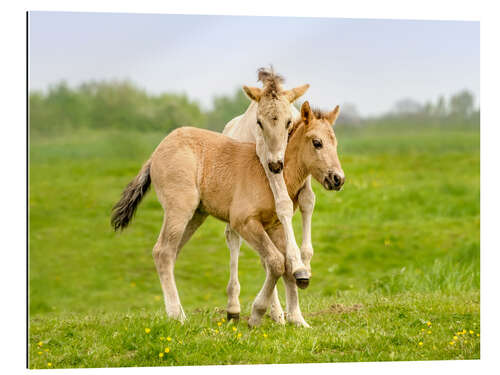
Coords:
307,200
284,208
276,264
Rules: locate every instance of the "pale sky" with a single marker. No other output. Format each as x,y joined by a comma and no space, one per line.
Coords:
371,63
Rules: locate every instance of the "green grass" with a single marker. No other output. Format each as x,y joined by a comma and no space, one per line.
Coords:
400,243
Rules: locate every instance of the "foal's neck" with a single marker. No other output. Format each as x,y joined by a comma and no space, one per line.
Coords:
295,171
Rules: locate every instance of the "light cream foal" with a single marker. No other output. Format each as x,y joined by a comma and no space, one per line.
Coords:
260,125
197,173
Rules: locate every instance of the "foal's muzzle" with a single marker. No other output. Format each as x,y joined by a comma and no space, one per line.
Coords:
275,166
334,181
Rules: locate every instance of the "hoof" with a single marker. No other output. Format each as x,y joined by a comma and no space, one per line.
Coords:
234,316
301,279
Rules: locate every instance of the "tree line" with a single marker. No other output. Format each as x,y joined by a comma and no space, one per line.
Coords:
121,105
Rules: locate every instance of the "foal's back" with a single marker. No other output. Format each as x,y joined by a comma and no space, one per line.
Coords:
192,161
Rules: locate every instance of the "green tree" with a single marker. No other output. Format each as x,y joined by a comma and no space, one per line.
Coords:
462,104
225,108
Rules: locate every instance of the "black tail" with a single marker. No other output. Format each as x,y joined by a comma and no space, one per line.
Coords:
124,210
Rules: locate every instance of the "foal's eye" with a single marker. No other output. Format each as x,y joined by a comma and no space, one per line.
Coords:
317,143
260,124
288,124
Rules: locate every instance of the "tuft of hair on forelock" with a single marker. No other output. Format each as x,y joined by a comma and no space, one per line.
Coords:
319,113
268,74
271,80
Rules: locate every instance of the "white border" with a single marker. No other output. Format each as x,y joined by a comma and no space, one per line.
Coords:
12,148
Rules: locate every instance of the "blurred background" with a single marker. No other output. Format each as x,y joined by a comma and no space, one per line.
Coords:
105,89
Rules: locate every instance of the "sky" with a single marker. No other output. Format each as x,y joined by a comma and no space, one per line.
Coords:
370,63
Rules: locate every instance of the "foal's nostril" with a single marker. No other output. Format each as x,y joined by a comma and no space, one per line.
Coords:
280,165
336,179
275,167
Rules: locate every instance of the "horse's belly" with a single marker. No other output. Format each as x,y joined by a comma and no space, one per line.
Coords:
216,211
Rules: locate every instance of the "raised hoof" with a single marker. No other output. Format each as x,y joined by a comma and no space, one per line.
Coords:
234,316
301,279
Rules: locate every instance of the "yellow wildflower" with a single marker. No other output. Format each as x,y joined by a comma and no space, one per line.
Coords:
455,338
420,343
147,330
167,350
264,334
219,324
429,324
49,364
429,332
234,328
477,334
223,320
452,342
162,338
239,334
464,332
169,338
471,332
423,329
39,353
216,331
40,343
46,350
160,355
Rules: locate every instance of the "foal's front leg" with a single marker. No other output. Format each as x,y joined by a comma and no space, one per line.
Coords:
233,241
293,313
306,205
284,211
253,232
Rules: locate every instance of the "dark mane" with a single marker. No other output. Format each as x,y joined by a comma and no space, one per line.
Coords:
272,81
320,114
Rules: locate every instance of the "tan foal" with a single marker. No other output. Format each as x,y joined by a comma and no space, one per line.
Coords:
197,173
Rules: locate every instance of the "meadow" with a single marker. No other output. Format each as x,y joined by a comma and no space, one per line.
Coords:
395,270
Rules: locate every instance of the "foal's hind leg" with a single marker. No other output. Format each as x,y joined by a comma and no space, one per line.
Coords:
275,310
253,232
293,313
233,241
180,222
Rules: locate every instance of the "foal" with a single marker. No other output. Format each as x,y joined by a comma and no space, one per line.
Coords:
197,173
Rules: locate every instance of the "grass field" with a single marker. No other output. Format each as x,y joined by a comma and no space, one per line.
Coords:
395,270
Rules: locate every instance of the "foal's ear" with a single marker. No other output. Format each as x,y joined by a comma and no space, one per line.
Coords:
293,94
332,116
254,93
306,113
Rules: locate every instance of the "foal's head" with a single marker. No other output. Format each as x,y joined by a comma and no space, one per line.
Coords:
274,116
319,147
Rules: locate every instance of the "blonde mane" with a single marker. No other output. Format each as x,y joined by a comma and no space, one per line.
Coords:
272,82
